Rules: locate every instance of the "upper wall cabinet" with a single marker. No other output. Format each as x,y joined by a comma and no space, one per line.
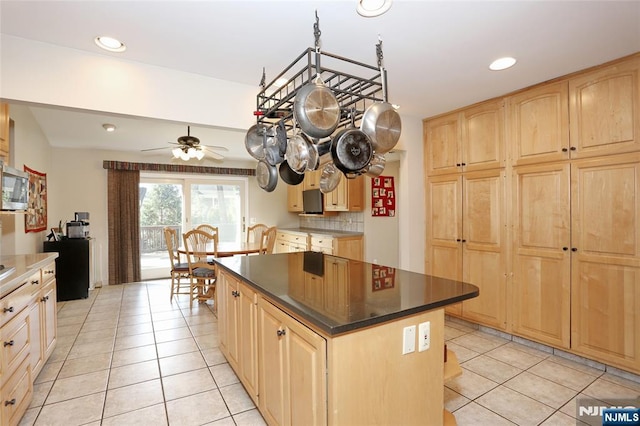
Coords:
605,110
465,141
539,124
4,132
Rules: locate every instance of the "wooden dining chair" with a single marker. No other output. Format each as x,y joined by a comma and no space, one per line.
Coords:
179,270
199,245
210,229
254,233
268,240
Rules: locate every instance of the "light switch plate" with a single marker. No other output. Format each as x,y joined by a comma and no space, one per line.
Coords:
424,336
409,340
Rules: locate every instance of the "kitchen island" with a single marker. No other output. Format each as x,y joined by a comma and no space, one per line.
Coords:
319,339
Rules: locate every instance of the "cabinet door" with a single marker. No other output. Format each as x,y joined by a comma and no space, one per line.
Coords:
272,360
311,180
483,242
444,224
49,323
4,132
314,290
35,334
538,120
541,255
605,110
228,314
442,136
605,273
294,198
336,279
248,339
482,137
336,200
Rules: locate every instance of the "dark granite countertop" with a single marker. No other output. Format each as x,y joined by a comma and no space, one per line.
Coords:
338,295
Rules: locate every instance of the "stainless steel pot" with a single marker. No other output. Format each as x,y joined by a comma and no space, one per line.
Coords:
254,142
288,175
381,122
375,166
330,178
297,154
267,176
316,110
351,151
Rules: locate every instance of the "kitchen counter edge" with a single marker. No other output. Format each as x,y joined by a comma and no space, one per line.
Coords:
25,264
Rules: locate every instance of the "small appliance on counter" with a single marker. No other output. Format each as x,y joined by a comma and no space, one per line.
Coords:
79,228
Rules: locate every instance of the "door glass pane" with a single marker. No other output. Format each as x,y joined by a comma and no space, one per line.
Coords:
220,205
160,206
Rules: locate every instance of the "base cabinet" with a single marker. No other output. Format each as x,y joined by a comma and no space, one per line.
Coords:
292,365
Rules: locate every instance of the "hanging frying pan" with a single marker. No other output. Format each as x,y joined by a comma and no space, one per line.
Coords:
254,142
330,178
315,107
376,165
351,151
267,176
289,176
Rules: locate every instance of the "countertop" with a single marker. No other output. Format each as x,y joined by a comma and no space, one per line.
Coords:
24,265
315,231
365,295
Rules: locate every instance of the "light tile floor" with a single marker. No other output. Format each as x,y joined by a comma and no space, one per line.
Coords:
128,356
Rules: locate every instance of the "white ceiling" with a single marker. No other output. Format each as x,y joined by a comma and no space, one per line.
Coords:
436,52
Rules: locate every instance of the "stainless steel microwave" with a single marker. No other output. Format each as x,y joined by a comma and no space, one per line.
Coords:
15,188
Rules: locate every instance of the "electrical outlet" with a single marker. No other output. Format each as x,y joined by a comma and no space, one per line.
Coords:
424,336
409,340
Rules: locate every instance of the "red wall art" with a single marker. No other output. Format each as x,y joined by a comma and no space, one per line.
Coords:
383,196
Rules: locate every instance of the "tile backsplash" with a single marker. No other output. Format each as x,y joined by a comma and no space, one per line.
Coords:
344,221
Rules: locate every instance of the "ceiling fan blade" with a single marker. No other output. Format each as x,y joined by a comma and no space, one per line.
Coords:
155,149
213,154
216,147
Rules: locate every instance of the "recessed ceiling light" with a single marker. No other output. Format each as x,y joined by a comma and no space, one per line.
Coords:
371,8
502,63
109,127
111,44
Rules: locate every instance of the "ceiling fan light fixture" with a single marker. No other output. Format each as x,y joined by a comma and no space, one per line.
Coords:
176,152
372,8
199,154
109,43
502,63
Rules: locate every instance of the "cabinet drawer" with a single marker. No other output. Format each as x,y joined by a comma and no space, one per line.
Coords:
11,305
34,282
292,238
320,243
14,342
48,273
16,394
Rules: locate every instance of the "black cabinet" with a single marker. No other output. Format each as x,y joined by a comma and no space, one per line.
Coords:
72,268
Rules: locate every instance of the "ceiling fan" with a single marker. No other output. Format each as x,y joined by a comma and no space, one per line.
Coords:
189,147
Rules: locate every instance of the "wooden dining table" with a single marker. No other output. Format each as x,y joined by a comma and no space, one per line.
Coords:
226,249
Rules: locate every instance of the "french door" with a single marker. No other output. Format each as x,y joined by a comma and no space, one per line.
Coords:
185,202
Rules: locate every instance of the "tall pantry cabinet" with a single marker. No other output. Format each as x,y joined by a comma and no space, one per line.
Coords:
573,208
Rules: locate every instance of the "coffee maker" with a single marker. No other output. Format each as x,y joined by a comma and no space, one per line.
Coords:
79,227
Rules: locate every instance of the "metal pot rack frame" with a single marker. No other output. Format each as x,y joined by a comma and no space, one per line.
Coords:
352,89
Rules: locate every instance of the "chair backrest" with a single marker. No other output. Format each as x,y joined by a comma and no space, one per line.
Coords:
268,240
209,229
171,240
254,233
199,245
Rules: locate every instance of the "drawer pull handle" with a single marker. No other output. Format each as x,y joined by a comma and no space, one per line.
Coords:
9,343
235,294
10,402
44,298
35,282
49,272
9,309
281,333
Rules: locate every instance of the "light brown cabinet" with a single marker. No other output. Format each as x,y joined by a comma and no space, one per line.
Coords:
349,246
347,197
292,366
4,133
467,225
467,140
289,242
294,198
311,180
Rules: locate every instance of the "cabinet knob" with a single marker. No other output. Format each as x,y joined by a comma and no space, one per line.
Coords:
458,164
464,164
10,402
281,333
458,240
9,309
573,148
574,249
565,150
49,271
565,248
35,282
44,298
235,293
9,343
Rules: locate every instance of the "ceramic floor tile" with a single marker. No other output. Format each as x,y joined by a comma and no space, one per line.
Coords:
453,400
76,386
542,390
560,419
98,325
168,324
172,334
29,417
514,357
515,407
492,369
469,384
81,350
40,393
236,398
154,415
570,408
461,325
631,384
451,332
462,353
208,341
566,376
133,355
224,375
205,328
74,320
135,329
84,365
188,411
68,330
133,397
134,319
91,336
181,363
248,418
607,391
166,315
77,411
473,414
229,421
213,356
128,342
478,343
189,383
176,347
49,372
133,373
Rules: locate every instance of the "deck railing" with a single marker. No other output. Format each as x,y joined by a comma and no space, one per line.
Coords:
152,238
